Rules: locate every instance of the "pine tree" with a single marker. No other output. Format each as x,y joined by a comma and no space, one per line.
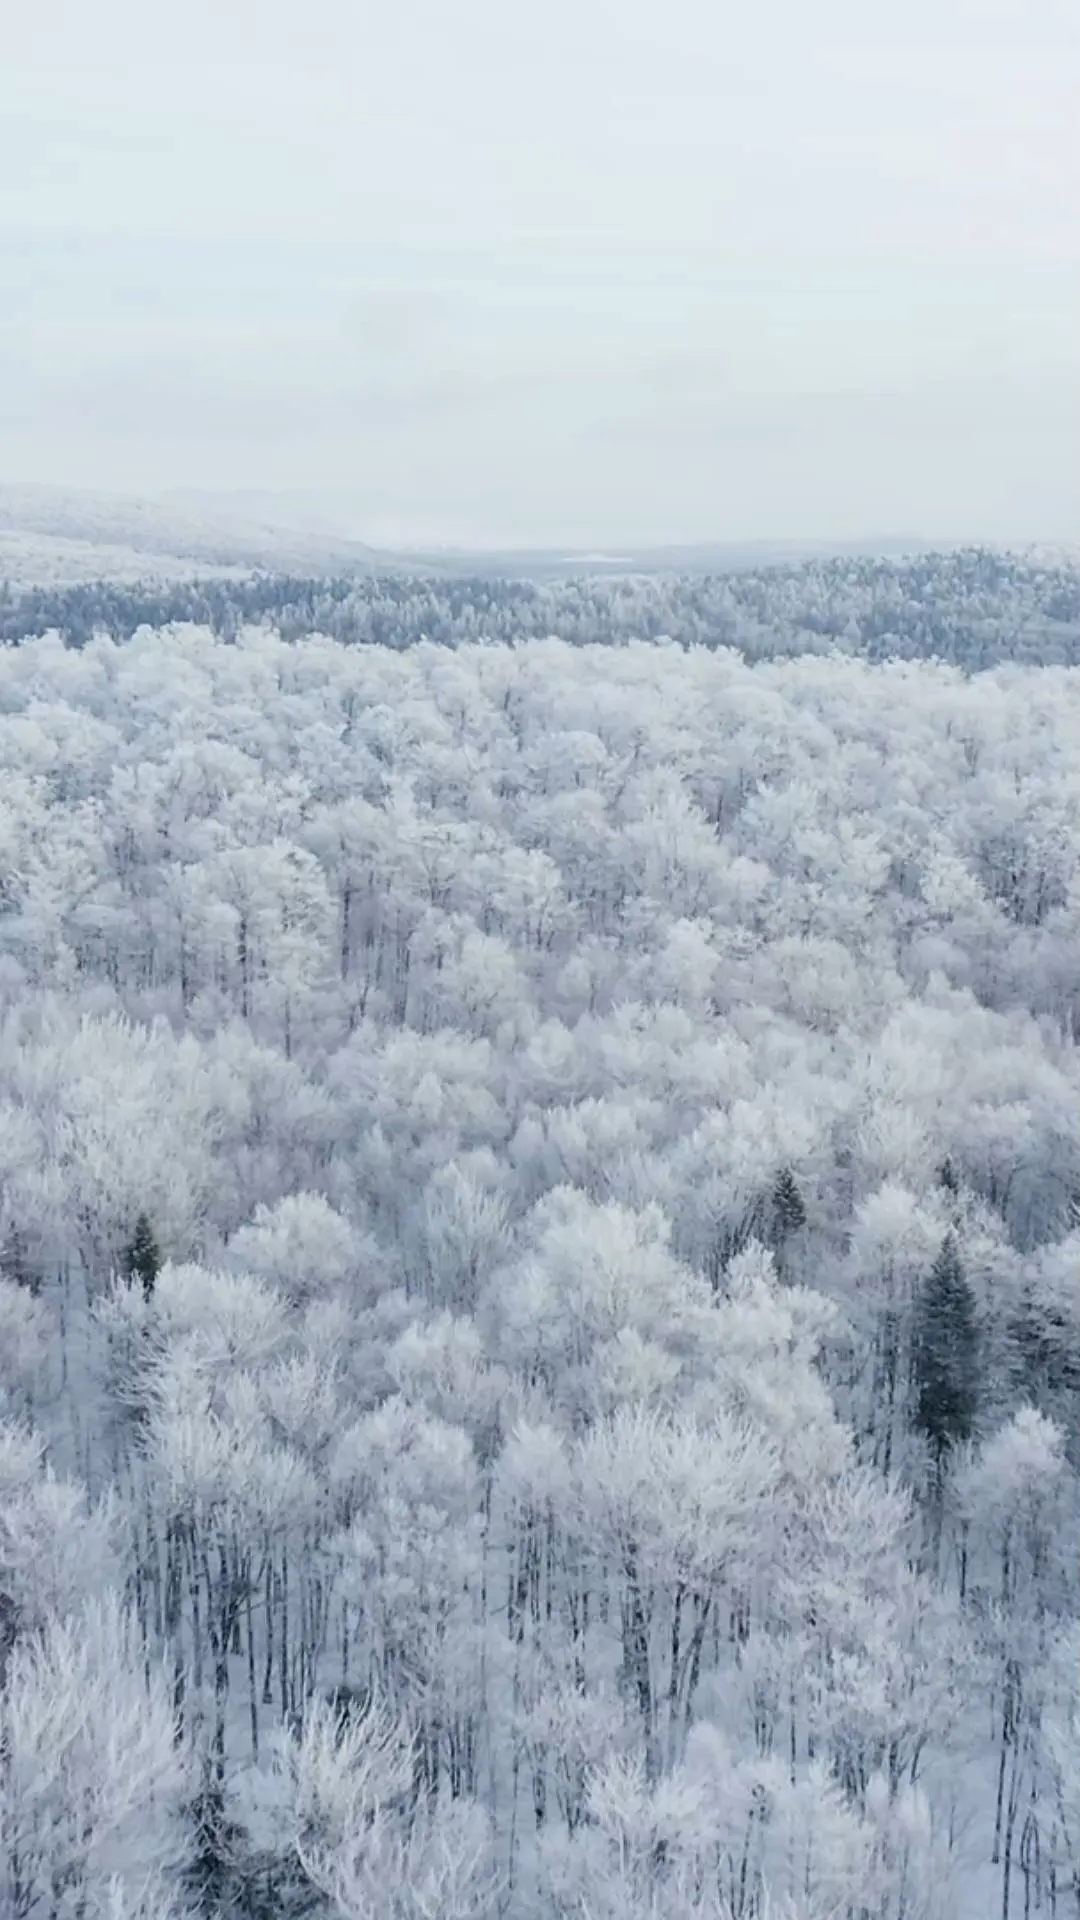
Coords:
1043,1357
9,1633
142,1255
15,1261
788,1209
945,1354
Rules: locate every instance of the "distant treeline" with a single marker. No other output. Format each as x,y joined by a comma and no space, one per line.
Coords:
973,608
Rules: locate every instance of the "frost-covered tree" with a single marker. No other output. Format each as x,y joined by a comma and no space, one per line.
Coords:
91,1779
611,1111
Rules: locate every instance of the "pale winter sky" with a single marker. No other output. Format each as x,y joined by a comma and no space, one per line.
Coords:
579,271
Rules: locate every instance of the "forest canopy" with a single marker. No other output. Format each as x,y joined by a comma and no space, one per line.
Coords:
540,1217
973,607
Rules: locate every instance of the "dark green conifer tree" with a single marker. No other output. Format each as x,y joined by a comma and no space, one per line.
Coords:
16,1263
945,1354
142,1255
788,1208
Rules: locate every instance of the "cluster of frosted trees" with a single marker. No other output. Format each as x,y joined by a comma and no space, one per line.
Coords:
539,1334
972,608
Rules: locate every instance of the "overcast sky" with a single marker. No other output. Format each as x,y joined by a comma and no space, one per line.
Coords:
582,271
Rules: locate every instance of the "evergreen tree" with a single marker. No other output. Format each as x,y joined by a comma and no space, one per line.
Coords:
945,1354
142,1255
788,1209
214,1873
9,1633
16,1263
1041,1350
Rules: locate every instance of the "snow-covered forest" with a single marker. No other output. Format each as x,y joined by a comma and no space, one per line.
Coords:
540,1204
973,607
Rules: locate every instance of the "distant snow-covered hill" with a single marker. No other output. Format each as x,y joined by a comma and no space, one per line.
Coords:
55,560
168,532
